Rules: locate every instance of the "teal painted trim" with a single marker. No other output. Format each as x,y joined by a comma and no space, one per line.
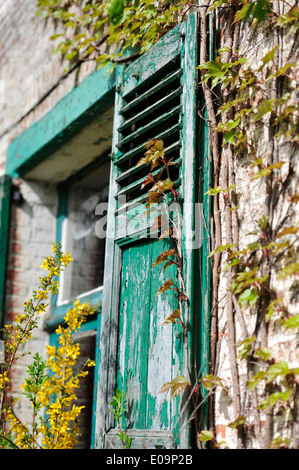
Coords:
190,193
61,216
95,384
204,262
204,268
5,189
73,112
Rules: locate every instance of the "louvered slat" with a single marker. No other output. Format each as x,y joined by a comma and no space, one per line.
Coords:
150,109
140,149
153,109
136,169
138,183
162,84
149,126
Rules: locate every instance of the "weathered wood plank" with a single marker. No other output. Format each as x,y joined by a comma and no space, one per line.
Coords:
133,330
162,345
189,186
105,353
142,439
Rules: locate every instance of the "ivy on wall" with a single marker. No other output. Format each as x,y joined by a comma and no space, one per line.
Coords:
250,92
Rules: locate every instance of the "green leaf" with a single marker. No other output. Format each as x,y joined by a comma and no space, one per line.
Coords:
229,137
232,124
278,369
70,55
292,322
213,191
218,189
268,57
221,248
244,13
261,10
248,296
281,71
247,347
265,108
115,11
279,443
293,229
253,382
215,71
237,422
274,398
205,436
210,381
290,270
162,186
263,353
234,262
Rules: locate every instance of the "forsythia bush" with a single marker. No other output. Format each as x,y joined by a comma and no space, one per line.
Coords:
51,384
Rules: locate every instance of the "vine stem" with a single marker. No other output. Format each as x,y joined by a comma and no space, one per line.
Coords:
231,42
214,142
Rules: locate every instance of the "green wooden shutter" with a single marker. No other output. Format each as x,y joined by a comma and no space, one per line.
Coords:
152,109
156,97
5,183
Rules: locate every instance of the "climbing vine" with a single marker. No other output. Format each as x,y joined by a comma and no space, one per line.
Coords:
250,87
253,99
110,31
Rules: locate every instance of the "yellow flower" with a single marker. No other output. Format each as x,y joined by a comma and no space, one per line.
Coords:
4,379
51,351
41,294
55,287
66,259
45,264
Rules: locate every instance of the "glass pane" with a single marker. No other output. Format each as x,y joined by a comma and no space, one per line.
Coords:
85,273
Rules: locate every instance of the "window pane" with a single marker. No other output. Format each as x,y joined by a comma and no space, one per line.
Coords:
85,273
